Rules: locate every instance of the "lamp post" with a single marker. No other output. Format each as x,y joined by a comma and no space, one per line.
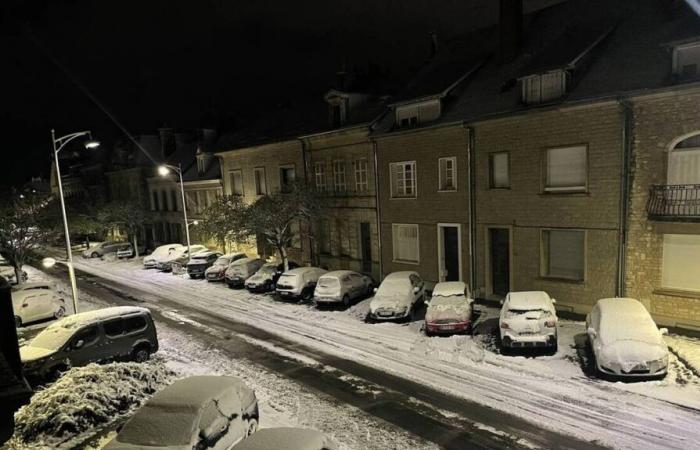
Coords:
164,170
58,145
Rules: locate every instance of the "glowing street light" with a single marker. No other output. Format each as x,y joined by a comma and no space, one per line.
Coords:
164,170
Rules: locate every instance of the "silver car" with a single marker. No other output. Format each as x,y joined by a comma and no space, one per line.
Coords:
341,286
102,249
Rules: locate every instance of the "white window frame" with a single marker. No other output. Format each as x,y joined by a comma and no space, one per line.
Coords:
320,176
565,189
339,180
394,238
233,183
544,255
260,189
361,175
394,180
453,160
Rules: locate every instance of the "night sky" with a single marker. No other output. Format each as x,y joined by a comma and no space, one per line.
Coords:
187,64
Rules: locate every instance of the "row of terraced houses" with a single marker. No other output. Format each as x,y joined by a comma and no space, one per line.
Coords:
556,151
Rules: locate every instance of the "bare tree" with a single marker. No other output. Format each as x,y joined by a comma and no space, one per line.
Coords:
127,216
225,220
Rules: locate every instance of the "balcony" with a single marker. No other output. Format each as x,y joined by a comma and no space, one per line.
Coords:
674,203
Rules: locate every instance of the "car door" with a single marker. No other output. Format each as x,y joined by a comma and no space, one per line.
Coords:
25,307
85,346
215,428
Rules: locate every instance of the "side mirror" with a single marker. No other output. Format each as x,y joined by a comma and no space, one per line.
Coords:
554,302
416,290
374,290
79,343
427,302
663,331
502,302
591,332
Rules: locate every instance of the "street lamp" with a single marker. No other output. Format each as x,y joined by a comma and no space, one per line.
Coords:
58,145
163,171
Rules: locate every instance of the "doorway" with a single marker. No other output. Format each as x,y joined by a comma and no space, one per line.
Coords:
499,253
366,247
449,251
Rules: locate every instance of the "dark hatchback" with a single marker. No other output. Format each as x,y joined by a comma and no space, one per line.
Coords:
200,262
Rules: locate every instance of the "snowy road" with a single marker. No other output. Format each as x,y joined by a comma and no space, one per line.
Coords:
543,398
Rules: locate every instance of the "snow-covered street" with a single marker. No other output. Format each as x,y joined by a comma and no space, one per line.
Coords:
552,392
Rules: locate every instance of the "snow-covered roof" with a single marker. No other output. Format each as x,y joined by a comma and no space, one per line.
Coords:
528,300
88,317
400,275
449,289
286,438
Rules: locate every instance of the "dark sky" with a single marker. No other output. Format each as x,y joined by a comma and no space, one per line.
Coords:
152,62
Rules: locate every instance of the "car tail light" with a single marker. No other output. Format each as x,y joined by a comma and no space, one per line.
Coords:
550,324
504,325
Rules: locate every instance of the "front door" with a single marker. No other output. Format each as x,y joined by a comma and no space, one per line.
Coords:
450,253
366,246
499,239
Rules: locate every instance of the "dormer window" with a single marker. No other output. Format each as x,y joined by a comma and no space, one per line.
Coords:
686,60
544,87
337,111
413,114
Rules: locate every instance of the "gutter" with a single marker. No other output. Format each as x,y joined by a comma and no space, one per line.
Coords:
471,204
625,183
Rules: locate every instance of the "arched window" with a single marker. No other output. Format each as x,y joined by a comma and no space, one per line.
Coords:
684,161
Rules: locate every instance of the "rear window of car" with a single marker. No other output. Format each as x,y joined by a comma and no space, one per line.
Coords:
135,323
328,282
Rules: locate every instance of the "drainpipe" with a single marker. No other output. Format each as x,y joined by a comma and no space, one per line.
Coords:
471,204
312,235
379,213
625,183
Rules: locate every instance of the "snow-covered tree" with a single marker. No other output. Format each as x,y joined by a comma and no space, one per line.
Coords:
273,216
24,226
225,221
127,216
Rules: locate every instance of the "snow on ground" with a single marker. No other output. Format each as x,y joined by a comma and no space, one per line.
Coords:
552,391
687,349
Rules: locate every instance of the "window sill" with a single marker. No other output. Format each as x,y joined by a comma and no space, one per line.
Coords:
402,198
447,190
677,293
399,261
562,279
504,188
572,192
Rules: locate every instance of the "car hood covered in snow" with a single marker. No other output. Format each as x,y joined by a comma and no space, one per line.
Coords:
390,301
29,353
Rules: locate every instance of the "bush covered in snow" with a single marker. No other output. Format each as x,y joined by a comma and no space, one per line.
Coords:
86,398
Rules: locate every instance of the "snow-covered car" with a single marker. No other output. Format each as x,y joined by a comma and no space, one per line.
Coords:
449,309
198,412
180,257
125,251
288,439
162,252
341,286
625,340
102,249
265,279
397,296
528,319
7,271
217,271
200,262
36,301
299,283
116,333
239,271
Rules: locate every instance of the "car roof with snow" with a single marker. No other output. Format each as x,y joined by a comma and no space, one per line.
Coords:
97,315
245,260
196,391
302,270
338,273
202,255
449,289
401,275
626,319
232,255
286,438
528,300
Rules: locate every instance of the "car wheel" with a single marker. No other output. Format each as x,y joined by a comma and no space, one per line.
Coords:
140,354
346,300
60,312
95,255
18,321
251,426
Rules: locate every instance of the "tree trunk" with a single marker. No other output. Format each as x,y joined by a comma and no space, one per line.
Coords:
87,241
136,244
18,274
283,256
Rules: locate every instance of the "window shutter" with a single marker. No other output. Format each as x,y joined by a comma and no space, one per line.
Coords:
566,168
405,242
499,170
684,166
565,253
681,264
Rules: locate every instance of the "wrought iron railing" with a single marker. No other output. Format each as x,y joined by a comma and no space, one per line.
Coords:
679,202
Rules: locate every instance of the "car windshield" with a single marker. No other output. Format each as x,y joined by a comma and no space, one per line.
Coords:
394,287
222,262
52,338
328,282
268,270
287,278
154,426
513,312
448,300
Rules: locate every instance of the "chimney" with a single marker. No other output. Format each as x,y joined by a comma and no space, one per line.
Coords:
510,27
433,44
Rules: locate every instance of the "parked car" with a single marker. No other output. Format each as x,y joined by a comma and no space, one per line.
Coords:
102,249
288,439
239,271
7,271
217,271
180,256
200,262
121,332
199,412
625,340
449,309
36,301
162,252
299,283
528,319
397,296
341,286
265,279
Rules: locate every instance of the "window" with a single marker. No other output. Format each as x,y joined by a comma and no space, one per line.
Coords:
543,87
405,242
339,184
296,234
563,254
499,170
343,238
156,204
361,180
114,328
236,182
448,176
87,335
320,175
686,60
411,115
260,181
134,324
164,201
287,177
681,265
173,198
566,169
403,179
